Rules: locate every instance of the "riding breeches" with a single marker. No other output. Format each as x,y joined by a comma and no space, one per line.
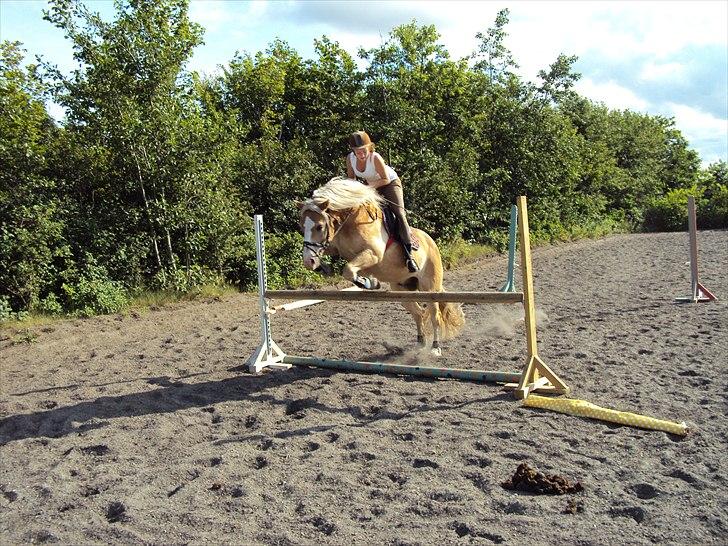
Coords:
392,192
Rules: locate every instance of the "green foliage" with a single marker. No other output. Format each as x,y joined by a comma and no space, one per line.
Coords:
49,306
669,212
156,171
284,265
89,291
6,311
31,225
713,184
184,279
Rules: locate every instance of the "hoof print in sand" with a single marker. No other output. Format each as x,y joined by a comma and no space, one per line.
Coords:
97,450
464,530
116,512
645,491
324,526
635,512
480,462
297,407
424,463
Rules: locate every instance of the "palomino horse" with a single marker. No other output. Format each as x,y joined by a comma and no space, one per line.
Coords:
344,217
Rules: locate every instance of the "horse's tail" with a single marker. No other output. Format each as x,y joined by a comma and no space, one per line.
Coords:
450,316
451,320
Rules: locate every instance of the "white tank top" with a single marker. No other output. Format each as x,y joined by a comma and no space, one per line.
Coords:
370,173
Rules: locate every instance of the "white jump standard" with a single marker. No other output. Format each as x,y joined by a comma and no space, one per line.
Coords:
535,376
698,293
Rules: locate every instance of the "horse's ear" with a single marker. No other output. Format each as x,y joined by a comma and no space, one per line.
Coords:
299,204
323,206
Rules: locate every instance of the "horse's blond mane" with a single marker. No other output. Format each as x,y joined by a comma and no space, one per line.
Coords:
345,193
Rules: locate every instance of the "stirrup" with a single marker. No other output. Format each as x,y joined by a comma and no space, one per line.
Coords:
412,265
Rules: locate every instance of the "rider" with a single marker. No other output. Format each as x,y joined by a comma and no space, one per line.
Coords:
366,164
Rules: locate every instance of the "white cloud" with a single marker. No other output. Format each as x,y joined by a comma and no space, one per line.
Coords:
696,122
611,94
672,71
213,15
209,14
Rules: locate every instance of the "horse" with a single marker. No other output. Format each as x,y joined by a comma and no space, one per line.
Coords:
345,217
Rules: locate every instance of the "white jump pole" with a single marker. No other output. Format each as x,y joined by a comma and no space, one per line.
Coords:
268,354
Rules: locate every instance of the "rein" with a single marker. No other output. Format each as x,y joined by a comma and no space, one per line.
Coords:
319,248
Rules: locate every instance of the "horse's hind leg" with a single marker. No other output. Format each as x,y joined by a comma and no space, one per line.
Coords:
415,309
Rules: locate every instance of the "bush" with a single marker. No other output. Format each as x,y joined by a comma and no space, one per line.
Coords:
90,291
7,313
713,212
284,264
49,305
184,279
670,212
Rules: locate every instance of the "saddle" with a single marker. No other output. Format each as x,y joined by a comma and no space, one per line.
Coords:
391,226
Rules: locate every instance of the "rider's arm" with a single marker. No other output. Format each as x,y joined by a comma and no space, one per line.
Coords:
381,169
349,169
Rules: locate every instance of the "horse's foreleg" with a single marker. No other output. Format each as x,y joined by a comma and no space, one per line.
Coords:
363,260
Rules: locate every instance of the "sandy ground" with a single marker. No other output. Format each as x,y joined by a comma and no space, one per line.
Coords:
146,428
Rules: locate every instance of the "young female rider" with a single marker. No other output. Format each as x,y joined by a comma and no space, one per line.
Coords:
364,163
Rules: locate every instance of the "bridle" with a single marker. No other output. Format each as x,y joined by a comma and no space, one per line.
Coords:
318,249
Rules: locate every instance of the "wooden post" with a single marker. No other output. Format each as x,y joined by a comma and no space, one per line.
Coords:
698,292
535,367
510,285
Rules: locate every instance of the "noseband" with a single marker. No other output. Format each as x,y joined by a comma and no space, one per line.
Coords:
319,248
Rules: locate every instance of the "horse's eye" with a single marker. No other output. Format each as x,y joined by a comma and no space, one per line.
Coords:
319,228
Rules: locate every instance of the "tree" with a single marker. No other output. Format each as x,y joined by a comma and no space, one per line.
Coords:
493,57
137,160
32,243
558,82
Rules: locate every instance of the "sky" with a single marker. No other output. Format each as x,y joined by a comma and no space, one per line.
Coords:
667,58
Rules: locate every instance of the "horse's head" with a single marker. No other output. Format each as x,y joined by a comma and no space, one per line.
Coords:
321,216
315,225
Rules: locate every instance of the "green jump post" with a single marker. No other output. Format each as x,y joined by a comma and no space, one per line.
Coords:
510,285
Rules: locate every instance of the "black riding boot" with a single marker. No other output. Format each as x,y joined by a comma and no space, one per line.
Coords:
411,263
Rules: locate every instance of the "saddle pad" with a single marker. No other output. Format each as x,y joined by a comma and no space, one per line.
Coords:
392,239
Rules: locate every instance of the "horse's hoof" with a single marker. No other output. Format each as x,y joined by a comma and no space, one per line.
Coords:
363,283
436,351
